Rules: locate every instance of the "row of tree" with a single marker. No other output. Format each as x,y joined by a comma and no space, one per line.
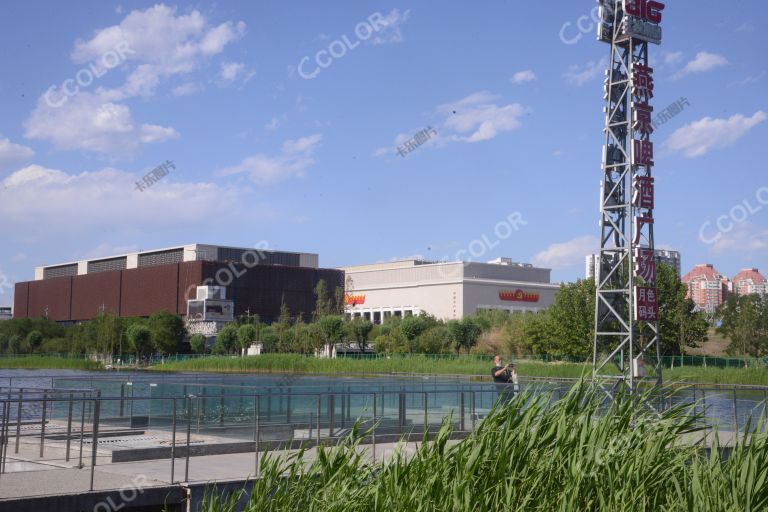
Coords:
566,329
744,320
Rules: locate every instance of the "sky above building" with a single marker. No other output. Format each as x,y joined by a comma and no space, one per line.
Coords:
366,131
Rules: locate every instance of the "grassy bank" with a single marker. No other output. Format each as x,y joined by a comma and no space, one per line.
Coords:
47,362
747,376
291,363
540,458
397,364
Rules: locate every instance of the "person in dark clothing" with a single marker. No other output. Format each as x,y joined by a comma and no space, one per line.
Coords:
504,377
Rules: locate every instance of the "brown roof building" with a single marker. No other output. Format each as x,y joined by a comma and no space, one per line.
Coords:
259,281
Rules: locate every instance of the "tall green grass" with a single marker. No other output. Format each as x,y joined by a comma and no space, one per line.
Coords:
47,362
753,376
527,455
396,364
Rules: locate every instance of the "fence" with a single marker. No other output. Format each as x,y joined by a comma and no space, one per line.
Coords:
667,361
175,426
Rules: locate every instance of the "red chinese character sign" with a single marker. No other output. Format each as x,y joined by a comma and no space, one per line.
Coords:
646,304
645,265
644,192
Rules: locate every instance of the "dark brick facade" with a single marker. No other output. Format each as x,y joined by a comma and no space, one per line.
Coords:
144,291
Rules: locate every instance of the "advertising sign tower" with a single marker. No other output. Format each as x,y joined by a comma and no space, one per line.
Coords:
626,306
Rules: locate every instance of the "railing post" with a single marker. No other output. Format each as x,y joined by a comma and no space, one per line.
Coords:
6,405
401,412
122,399
173,441
735,416
461,408
69,425
331,411
18,419
82,429
373,428
472,405
426,415
221,408
256,433
42,424
319,411
189,432
288,408
95,443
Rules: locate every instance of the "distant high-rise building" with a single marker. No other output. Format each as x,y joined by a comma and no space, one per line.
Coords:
707,287
750,281
671,258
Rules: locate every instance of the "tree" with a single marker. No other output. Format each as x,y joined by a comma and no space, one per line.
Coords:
197,343
246,334
226,340
464,333
140,337
680,325
359,329
745,322
332,329
435,340
14,344
323,306
3,343
168,331
34,340
572,318
282,326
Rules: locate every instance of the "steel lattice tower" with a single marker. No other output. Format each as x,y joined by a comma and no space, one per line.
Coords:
626,309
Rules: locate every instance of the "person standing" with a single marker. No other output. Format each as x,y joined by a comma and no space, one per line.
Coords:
504,376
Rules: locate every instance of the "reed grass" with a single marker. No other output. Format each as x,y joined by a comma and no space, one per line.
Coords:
528,455
47,362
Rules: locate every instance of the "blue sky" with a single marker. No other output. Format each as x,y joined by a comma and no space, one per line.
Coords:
512,92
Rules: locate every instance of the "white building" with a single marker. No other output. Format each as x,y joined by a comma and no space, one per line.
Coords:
446,290
6,313
671,258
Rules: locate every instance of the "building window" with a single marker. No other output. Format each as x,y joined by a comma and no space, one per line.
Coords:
152,259
377,317
107,265
60,271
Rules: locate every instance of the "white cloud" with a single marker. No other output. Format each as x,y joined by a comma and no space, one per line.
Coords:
745,27
523,76
567,254
89,123
743,239
698,138
673,57
387,29
50,202
294,159
186,89
12,154
153,45
704,61
272,124
232,71
477,117
579,75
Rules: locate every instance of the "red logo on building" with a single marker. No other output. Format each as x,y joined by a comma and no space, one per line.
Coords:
518,296
646,9
354,300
